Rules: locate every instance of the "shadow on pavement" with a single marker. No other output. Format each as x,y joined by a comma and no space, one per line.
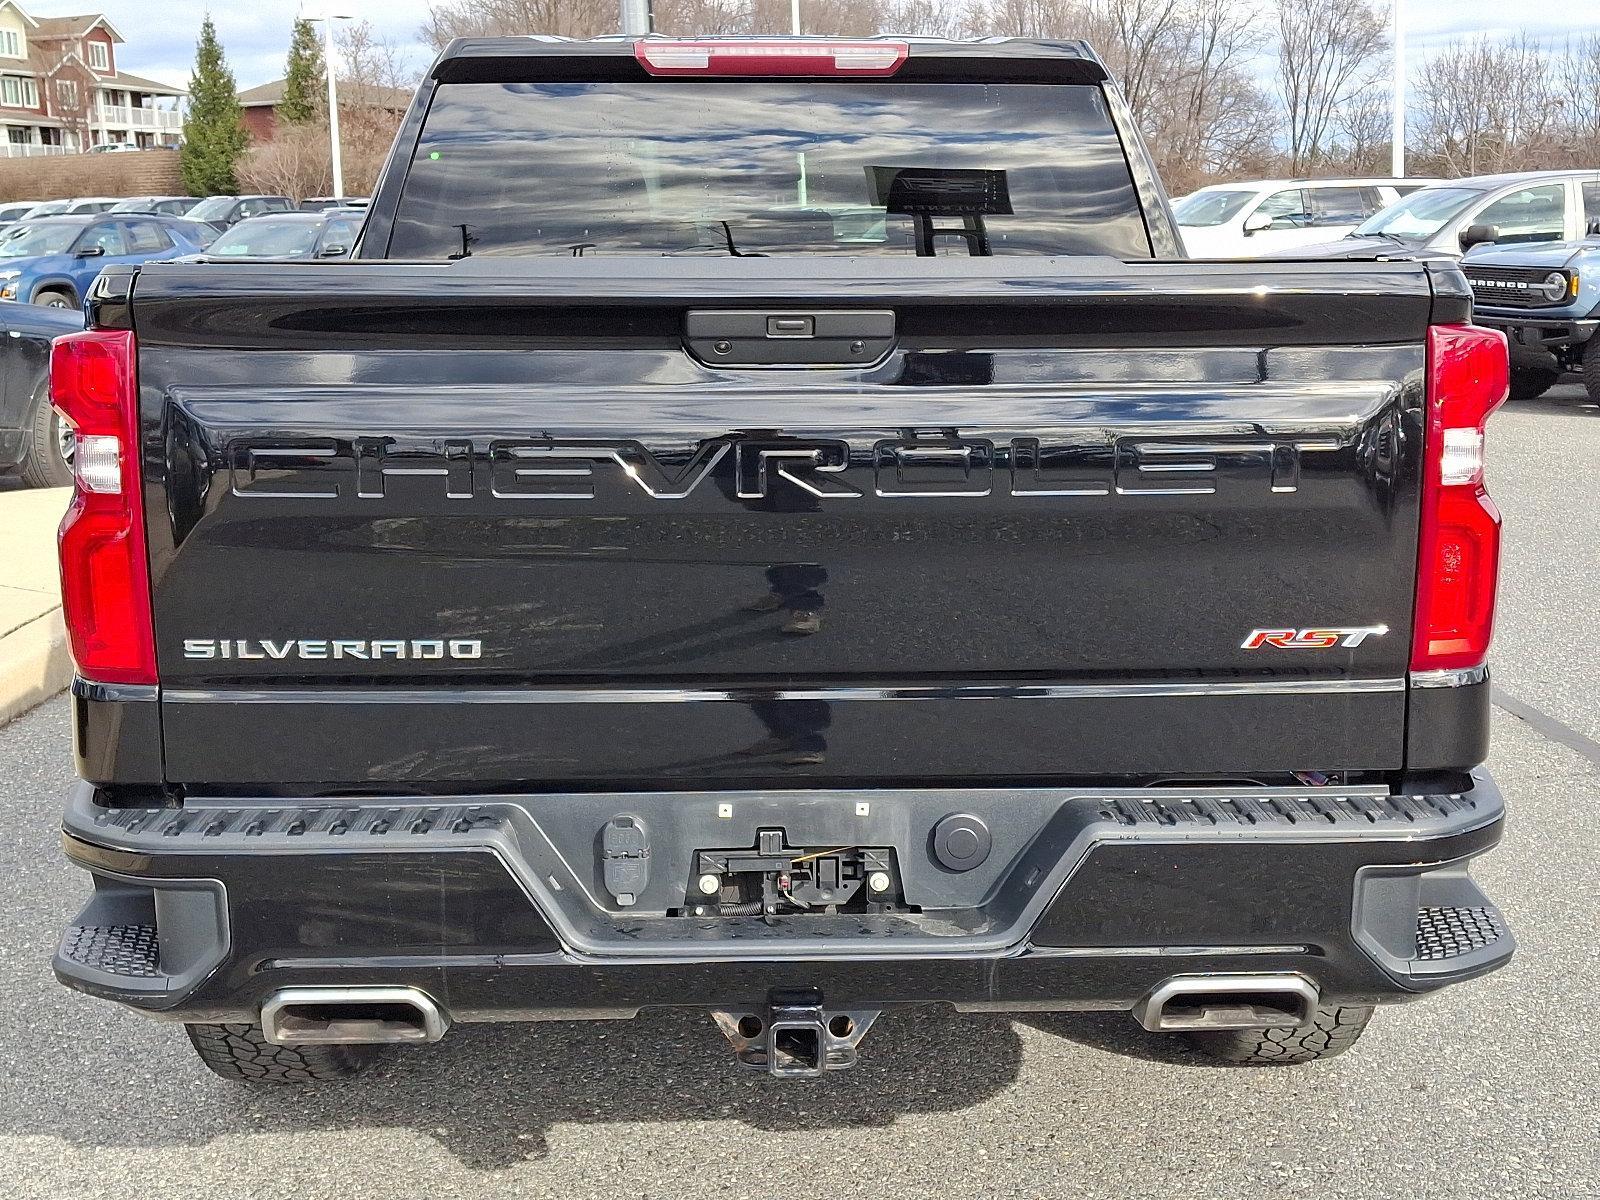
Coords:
490,1095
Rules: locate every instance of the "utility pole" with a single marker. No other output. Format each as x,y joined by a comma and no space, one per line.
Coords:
1397,146
327,20
636,18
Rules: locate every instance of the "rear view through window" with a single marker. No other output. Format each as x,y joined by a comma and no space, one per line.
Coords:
697,168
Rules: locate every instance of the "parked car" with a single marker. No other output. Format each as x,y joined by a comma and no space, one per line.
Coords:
320,203
787,609
223,211
53,260
33,436
1446,220
288,237
170,206
1249,220
10,213
1546,299
59,208
114,148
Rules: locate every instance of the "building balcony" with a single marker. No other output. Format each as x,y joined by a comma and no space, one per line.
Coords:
30,150
122,117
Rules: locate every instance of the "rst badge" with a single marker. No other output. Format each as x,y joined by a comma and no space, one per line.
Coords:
1346,637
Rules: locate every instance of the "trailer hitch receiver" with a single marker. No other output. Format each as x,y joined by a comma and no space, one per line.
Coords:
795,1036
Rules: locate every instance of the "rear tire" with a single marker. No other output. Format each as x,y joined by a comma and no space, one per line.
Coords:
44,461
1529,383
1591,369
242,1053
1332,1031
55,298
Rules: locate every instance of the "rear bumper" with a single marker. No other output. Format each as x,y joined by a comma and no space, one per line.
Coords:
496,909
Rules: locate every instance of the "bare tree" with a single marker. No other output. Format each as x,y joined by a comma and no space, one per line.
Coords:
1487,106
494,18
1329,52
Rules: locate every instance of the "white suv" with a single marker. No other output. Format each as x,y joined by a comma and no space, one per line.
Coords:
1251,220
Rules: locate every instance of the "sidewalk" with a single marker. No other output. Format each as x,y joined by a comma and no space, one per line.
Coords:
34,662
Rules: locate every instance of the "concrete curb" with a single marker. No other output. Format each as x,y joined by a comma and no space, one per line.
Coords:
34,661
35,664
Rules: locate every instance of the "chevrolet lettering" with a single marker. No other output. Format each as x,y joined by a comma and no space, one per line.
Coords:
935,463
777,527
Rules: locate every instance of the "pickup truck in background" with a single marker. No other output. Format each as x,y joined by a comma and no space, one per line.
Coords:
1546,300
776,527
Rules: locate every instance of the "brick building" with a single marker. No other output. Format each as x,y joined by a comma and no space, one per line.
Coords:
61,90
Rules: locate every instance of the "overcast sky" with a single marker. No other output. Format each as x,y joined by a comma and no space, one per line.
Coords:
255,34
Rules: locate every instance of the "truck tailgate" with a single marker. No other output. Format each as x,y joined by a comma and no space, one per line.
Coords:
491,524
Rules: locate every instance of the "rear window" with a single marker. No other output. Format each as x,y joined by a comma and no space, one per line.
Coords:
786,168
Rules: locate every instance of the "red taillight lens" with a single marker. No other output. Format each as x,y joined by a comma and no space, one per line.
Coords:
105,585
770,56
1458,557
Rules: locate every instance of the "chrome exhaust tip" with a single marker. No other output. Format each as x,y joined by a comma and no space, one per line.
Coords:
1198,1002
351,1016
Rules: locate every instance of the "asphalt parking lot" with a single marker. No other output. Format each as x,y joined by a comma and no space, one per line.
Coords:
1488,1090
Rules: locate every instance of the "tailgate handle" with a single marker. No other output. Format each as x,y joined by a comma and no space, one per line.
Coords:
754,337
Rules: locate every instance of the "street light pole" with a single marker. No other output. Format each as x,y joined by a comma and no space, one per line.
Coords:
1397,144
636,18
327,20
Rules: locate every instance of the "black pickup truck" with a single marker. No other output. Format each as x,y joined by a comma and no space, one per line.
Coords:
776,527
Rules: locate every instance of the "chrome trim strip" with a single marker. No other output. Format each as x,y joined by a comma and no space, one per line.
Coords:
636,695
88,689
1465,677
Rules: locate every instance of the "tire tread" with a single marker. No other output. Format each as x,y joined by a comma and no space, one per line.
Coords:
242,1053
1332,1031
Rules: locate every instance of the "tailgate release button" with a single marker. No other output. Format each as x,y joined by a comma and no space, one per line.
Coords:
791,327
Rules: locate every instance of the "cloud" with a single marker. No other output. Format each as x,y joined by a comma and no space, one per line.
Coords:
255,36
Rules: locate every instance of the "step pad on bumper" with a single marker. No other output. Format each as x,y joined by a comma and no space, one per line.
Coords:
1450,932
129,950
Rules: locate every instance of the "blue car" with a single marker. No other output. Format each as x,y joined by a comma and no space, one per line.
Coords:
53,260
1546,299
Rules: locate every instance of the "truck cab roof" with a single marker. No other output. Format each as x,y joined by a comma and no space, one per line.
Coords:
929,58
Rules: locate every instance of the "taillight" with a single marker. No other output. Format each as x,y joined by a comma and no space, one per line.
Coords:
105,586
1458,557
769,56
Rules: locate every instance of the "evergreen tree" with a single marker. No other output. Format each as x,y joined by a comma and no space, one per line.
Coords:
304,82
213,132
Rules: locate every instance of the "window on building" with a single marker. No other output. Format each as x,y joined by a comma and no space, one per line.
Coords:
18,91
67,93
19,135
10,43
99,56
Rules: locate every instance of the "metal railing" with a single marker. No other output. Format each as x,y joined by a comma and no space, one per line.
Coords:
137,118
30,150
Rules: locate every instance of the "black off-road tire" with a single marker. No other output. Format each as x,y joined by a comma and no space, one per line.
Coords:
242,1053
1591,369
42,462
1529,383
1332,1031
